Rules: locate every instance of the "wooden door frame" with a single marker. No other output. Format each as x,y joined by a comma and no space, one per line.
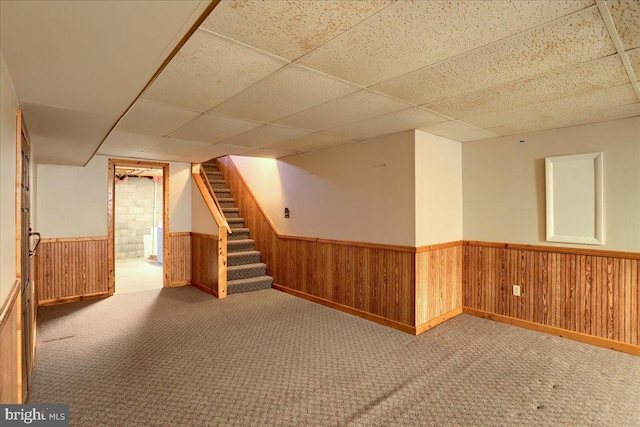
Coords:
22,137
111,247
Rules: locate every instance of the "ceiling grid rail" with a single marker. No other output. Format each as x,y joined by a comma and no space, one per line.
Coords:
613,33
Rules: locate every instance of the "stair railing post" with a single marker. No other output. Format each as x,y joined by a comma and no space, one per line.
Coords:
222,262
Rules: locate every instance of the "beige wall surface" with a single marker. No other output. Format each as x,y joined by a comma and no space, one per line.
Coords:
438,183
504,183
362,191
201,219
180,197
72,200
8,108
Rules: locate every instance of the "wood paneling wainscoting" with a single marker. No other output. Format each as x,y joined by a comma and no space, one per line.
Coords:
373,281
11,347
438,284
586,295
71,269
180,259
204,262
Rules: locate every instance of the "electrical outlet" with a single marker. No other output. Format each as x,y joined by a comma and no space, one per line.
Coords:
516,290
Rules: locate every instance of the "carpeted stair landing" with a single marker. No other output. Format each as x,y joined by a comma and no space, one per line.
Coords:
245,272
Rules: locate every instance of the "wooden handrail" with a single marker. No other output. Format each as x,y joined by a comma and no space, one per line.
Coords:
201,180
205,178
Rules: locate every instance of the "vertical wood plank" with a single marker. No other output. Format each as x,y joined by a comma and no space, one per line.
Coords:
587,293
377,281
10,343
204,262
71,269
438,282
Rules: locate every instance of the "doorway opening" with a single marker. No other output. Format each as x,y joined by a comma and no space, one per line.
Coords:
138,219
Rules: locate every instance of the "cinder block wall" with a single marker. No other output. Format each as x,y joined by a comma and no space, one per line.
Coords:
134,215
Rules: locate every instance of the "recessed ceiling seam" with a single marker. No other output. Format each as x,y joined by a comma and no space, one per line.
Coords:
522,79
545,101
613,33
247,46
164,64
484,46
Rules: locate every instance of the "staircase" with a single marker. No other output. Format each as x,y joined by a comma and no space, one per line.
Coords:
245,272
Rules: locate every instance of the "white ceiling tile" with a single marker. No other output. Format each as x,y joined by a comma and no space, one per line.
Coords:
265,135
62,134
211,128
288,29
313,141
268,153
590,76
127,144
87,55
559,121
209,69
410,35
348,109
214,151
411,118
458,131
577,38
155,119
597,101
626,18
285,92
176,147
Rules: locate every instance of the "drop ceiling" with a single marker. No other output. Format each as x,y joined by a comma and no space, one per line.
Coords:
275,78
76,66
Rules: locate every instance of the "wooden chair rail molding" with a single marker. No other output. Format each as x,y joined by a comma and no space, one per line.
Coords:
440,281
227,166
71,269
588,293
346,275
11,345
555,249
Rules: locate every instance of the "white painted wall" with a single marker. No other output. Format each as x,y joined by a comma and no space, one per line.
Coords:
201,219
179,197
8,107
504,183
72,200
362,191
438,183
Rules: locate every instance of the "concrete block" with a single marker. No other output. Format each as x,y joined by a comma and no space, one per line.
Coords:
136,210
122,210
123,201
139,226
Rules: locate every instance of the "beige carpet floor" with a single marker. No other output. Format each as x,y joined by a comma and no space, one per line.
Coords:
178,357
